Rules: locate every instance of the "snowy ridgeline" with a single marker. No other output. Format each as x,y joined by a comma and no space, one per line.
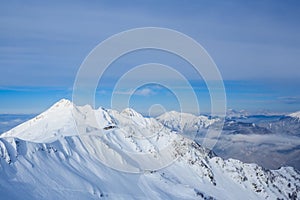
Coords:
45,158
270,140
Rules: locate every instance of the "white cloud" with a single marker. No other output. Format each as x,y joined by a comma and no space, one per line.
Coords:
145,92
141,92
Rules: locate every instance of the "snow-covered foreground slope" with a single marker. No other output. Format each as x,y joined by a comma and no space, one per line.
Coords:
45,158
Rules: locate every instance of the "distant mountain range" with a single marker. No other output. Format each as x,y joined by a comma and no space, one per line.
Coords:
269,140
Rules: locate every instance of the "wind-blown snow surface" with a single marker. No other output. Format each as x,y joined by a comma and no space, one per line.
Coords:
45,158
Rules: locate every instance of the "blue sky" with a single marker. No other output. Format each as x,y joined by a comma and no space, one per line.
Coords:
255,44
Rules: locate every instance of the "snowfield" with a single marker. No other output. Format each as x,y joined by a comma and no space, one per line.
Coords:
74,152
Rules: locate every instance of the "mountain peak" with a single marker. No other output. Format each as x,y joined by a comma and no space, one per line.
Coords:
130,113
295,115
47,126
62,102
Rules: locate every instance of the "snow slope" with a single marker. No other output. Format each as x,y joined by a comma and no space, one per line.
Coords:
55,156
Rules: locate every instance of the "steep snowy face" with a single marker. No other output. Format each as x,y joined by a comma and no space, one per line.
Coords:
135,124
83,166
133,143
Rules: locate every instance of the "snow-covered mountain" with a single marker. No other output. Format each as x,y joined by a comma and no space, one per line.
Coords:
185,122
74,152
295,115
234,113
